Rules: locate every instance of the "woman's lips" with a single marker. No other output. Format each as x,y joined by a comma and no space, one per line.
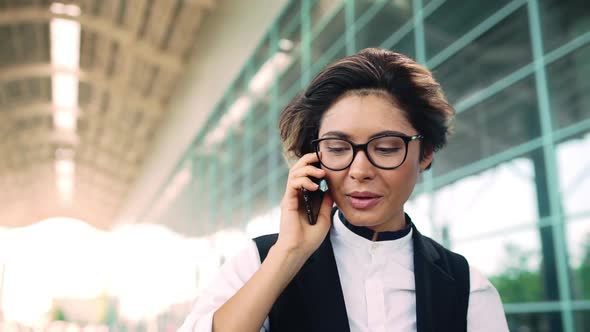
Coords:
363,201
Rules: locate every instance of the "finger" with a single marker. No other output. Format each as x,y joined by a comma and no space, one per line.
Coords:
308,170
302,183
306,159
325,214
291,200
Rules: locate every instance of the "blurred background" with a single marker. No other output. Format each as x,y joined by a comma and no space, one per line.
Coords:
139,146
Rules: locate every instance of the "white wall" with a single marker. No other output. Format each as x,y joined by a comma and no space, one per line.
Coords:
227,37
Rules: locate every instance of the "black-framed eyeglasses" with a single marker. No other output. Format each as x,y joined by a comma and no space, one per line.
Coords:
385,151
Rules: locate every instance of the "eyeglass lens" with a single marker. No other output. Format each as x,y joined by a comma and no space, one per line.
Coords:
385,152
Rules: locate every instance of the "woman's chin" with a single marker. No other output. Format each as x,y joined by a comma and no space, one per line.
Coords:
361,218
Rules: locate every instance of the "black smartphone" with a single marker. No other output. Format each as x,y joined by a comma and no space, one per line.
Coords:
312,200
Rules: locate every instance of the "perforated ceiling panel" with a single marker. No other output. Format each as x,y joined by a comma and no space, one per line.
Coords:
131,54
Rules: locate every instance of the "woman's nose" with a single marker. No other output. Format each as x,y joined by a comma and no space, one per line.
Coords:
361,168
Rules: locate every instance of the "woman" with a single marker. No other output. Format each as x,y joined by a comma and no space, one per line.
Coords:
372,121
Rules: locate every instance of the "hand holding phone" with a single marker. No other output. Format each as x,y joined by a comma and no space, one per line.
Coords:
312,200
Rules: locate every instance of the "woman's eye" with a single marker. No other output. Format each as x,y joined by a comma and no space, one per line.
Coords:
338,149
385,150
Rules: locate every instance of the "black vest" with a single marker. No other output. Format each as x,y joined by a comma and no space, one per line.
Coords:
313,300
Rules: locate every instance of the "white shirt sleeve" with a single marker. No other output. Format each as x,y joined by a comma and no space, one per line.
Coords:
232,276
485,312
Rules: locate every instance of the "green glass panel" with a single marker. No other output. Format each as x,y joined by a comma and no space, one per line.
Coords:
578,242
384,24
512,261
327,36
469,206
336,51
574,174
453,19
235,151
534,321
568,84
290,77
495,54
582,320
361,7
240,86
179,214
262,54
418,208
499,123
280,182
562,21
290,21
321,11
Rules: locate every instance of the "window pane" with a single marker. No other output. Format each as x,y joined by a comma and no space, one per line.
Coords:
469,206
494,55
261,189
320,11
289,23
261,55
289,79
280,183
418,208
290,30
582,320
568,86
578,242
179,214
535,321
574,166
328,36
385,23
512,262
454,19
563,21
497,124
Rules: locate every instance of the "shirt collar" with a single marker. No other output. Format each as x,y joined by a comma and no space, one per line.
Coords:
368,233
350,236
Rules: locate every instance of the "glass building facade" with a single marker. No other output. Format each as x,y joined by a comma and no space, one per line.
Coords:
511,191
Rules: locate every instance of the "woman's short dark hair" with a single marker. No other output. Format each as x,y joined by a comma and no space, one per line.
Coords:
410,85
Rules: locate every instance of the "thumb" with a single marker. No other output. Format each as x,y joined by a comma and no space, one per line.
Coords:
325,214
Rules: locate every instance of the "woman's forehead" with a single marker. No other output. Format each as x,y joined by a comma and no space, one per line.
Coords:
364,115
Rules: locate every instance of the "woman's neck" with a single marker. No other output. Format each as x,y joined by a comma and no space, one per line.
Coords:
395,224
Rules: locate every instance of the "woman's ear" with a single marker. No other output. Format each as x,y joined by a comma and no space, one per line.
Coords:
427,158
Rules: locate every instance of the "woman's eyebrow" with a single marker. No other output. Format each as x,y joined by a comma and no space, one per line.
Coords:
336,133
341,134
388,132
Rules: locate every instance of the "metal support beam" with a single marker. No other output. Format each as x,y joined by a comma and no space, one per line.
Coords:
97,79
420,45
31,110
274,192
104,27
305,48
550,170
350,27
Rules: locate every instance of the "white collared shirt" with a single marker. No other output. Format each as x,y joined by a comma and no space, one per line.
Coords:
377,281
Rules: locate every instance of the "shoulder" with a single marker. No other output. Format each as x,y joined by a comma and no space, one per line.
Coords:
243,263
439,252
479,283
263,244
267,238
457,262
449,263
486,312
